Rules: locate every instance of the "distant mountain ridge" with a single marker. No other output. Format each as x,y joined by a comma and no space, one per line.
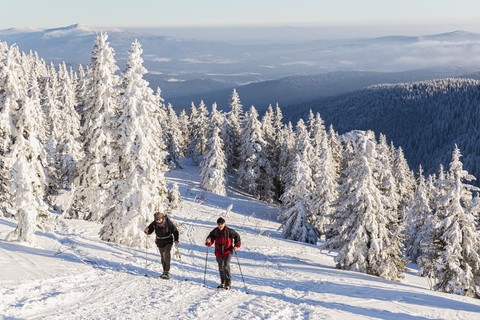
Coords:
241,64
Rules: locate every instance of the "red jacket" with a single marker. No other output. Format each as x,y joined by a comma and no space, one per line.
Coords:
223,241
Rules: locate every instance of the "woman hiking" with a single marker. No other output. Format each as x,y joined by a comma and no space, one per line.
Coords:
166,234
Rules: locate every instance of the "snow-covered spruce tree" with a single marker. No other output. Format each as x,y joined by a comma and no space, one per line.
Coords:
65,130
10,96
287,137
324,170
93,174
298,198
185,133
325,179
278,127
362,220
337,149
268,130
202,129
41,121
51,105
392,200
216,120
162,112
418,214
214,165
405,182
457,242
140,186
235,119
388,183
193,151
427,253
271,133
81,88
255,172
174,198
303,147
26,174
174,137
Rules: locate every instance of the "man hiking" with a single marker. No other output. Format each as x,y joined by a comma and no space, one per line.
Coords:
222,237
166,234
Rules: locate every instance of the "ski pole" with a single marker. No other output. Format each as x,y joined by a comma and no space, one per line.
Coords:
205,275
146,257
241,272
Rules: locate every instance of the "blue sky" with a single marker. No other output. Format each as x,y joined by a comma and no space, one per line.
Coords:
459,14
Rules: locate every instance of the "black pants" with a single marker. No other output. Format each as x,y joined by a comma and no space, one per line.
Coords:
224,268
165,255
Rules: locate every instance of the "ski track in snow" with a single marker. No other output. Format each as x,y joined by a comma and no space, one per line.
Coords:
71,274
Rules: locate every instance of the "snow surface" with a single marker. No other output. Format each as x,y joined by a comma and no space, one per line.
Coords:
71,274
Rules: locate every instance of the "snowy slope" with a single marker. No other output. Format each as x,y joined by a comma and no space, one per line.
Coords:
71,274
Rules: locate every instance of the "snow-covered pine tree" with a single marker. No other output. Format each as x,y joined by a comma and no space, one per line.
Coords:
457,242
193,151
34,94
427,254
10,96
278,127
317,131
185,133
174,137
387,179
304,147
202,129
418,214
337,149
270,135
216,120
68,148
93,174
325,179
287,137
404,180
162,118
140,186
268,129
51,105
26,174
362,218
392,200
214,165
174,198
298,199
235,122
255,172
81,88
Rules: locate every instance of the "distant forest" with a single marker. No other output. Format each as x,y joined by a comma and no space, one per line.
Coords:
425,118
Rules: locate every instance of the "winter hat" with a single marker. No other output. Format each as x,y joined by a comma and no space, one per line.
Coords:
159,215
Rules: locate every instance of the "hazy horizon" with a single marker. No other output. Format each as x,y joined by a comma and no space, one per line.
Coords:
217,18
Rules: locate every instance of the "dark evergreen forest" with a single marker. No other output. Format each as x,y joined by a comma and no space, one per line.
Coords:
426,118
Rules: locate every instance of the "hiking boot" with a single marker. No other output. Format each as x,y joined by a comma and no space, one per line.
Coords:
221,286
228,285
165,275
